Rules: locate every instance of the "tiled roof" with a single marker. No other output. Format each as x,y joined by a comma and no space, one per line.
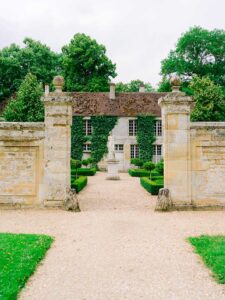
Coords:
125,104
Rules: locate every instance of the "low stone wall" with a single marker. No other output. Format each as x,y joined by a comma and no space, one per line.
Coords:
208,163
21,163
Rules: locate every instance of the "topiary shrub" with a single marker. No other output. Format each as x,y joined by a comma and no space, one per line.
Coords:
75,165
85,162
137,162
149,166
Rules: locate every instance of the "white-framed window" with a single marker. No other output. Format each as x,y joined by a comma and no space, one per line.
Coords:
87,147
158,128
118,147
157,152
132,127
134,151
87,127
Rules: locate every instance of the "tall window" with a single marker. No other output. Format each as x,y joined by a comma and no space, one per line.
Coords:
158,128
87,127
134,151
132,127
157,152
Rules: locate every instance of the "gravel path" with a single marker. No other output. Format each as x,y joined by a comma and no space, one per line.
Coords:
118,248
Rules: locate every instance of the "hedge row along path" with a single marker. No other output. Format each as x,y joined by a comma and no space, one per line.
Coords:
118,247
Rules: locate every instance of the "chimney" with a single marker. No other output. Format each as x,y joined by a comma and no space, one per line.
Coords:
46,89
112,92
142,88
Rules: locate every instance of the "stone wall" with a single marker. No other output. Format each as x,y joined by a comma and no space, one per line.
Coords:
35,157
208,163
194,155
21,163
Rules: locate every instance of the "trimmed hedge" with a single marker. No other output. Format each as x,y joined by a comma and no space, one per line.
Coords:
84,171
152,186
142,173
79,183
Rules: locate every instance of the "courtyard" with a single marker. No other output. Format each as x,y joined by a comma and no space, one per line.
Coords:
117,247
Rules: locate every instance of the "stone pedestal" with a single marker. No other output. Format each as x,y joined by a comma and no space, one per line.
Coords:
113,169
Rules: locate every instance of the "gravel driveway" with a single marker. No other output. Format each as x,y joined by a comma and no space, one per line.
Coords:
118,248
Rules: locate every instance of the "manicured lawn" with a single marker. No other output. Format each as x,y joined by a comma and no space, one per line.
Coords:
212,251
19,257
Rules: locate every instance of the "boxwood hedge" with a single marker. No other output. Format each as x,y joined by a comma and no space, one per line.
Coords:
84,171
152,186
79,183
142,173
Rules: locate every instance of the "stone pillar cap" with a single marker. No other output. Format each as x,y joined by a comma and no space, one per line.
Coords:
175,83
58,83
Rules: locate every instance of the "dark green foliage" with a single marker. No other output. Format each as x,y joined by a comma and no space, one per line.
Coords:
159,167
75,165
19,257
79,183
27,107
198,52
77,137
84,171
209,100
152,186
149,166
86,66
137,162
102,125
16,62
145,137
133,86
212,251
142,173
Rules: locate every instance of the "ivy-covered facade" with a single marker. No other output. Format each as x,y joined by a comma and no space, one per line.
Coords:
132,119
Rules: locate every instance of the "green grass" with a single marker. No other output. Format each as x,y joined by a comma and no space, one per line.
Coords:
212,251
19,257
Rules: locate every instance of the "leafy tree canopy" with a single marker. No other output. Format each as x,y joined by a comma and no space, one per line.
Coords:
16,62
27,107
198,52
86,66
133,86
209,100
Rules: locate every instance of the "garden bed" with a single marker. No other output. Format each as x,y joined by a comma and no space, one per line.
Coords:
19,257
142,173
212,251
78,183
152,185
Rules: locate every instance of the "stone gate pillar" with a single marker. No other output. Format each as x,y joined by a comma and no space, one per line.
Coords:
57,145
176,107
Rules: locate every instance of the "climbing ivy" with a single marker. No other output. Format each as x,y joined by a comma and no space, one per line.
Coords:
145,136
102,125
78,138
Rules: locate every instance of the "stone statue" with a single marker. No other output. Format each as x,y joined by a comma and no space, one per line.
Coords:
164,202
71,202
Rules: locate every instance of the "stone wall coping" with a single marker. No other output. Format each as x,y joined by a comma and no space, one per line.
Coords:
22,125
211,125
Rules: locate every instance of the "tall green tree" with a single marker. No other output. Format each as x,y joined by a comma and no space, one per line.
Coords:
27,107
198,52
209,100
86,66
133,86
16,62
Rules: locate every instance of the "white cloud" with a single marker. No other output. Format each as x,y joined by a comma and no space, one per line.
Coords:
137,34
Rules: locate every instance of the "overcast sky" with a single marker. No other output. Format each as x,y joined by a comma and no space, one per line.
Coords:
137,34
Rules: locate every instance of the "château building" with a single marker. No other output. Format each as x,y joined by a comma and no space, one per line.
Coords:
126,106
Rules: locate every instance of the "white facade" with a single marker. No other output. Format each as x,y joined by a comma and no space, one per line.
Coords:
125,142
